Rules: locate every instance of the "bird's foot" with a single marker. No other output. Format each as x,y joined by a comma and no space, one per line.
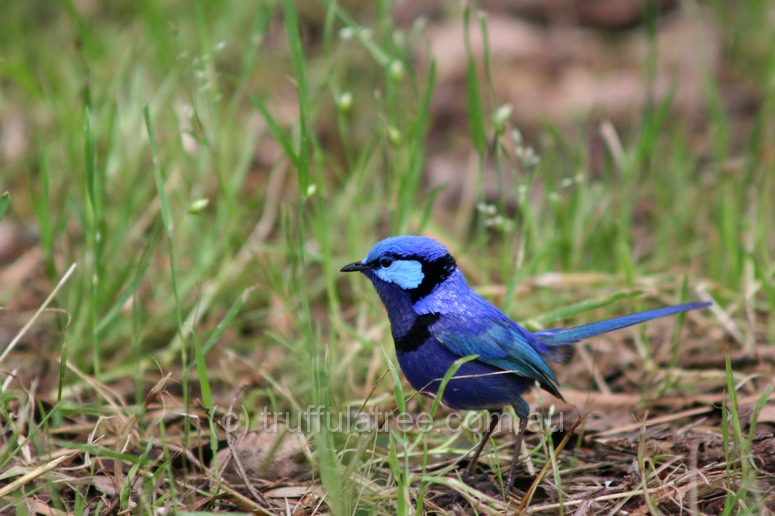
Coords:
518,485
474,480
482,481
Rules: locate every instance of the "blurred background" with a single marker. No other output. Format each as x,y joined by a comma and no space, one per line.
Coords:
187,178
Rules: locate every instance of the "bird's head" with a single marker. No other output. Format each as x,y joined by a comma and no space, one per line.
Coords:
413,264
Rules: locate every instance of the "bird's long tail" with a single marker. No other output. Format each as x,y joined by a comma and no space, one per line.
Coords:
557,337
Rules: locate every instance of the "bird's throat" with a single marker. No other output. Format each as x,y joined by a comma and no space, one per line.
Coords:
398,304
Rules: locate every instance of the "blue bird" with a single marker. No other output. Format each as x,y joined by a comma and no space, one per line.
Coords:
436,319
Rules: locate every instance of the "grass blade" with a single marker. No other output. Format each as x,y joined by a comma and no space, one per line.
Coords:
5,200
473,95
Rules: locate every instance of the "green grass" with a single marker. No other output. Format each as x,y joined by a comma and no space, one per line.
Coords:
308,146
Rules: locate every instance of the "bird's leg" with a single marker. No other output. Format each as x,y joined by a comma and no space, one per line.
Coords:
494,417
515,460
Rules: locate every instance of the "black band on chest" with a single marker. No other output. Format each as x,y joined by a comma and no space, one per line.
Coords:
417,334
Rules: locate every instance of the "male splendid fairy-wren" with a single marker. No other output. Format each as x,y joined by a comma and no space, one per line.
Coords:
436,319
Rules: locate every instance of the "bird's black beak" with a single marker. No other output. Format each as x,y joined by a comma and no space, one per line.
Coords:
354,267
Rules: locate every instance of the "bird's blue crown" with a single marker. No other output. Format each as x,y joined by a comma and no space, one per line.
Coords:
407,246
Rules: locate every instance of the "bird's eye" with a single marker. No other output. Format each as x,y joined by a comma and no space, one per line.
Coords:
385,262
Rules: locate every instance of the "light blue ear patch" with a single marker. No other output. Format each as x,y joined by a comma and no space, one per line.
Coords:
407,274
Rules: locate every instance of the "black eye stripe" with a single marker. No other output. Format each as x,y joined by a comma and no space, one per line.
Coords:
446,260
433,273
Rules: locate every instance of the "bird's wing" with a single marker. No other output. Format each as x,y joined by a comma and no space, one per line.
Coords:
499,343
